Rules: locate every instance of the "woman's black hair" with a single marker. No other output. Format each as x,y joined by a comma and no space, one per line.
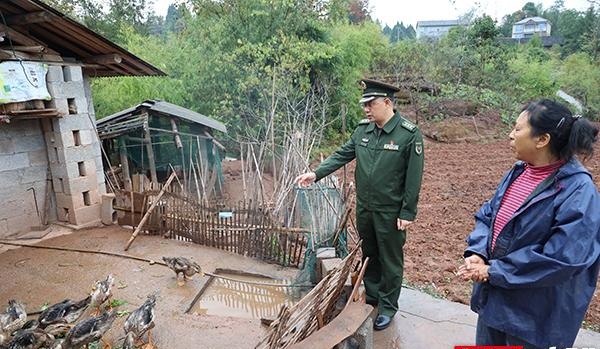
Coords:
569,134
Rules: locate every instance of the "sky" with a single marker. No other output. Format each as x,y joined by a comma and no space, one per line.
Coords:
409,12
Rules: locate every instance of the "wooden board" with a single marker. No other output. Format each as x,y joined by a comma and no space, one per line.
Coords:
343,326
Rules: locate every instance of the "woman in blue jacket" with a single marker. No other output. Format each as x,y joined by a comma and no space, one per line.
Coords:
534,252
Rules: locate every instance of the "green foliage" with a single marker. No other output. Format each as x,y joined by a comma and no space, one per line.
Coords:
531,79
580,78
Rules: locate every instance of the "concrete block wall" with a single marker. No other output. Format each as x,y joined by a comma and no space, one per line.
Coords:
73,148
23,177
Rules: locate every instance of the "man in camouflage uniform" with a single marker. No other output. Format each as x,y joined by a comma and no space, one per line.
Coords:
389,167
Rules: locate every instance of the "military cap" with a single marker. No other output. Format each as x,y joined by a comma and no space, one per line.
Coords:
373,89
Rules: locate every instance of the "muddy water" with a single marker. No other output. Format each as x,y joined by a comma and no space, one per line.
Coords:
237,299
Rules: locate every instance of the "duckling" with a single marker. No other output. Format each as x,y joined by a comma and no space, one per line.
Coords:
183,267
102,292
30,339
139,322
87,331
65,312
13,318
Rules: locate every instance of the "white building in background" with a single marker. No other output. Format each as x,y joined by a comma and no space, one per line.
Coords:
435,29
528,27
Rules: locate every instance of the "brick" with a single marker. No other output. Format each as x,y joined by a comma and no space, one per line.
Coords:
86,215
73,122
55,74
72,73
38,157
14,161
70,89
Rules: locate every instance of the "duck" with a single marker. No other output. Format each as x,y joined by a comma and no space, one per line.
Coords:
12,319
183,268
87,331
139,322
102,292
65,312
32,338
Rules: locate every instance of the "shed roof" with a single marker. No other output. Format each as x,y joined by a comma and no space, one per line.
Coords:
165,108
446,23
33,23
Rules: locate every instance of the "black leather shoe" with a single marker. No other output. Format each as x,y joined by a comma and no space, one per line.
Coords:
382,322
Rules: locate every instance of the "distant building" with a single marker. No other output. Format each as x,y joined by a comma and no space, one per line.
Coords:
531,26
435,29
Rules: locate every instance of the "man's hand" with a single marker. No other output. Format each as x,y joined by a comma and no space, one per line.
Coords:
306,179
402,224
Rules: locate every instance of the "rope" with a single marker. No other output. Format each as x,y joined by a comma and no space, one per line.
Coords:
151,261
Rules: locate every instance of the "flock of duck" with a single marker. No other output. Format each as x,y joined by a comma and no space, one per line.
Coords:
64,325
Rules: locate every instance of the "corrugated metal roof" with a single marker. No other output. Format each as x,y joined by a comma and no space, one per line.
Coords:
447,23
532,19
31,22
165,108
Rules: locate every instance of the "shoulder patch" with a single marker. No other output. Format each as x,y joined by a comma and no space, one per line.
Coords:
408,125
363,122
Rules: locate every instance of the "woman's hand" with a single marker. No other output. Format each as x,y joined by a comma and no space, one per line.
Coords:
474,269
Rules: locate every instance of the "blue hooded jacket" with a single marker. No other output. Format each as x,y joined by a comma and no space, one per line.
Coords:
544,266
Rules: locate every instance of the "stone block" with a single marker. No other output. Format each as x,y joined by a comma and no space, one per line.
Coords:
14,161
29,143
73,122
362,339
55,74
87,137
38,157
87,215
60,104
74,186
70,89
8,179
80,153
34,174
325,252
72,73
109,215
7,146
326,266
81,104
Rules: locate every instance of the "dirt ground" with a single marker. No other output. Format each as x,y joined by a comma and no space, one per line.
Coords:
37,277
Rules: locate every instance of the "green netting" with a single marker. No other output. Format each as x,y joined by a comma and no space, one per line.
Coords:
319,210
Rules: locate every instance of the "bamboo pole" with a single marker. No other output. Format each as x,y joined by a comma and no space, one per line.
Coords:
151,161
152,207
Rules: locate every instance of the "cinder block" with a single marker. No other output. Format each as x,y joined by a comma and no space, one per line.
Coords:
326,266
80,153
21,223
72,73
58,185
55,74
73,122
38,157
87,137
29,143
73,186
81,103
70,89
60,104
109,215
34,174
86,215
6,146
9,178
325,252
14,161
67,201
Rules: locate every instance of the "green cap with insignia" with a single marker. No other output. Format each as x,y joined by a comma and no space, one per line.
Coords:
373,89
